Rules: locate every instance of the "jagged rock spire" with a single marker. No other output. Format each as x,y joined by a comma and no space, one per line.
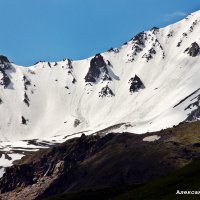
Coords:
97,67
135,84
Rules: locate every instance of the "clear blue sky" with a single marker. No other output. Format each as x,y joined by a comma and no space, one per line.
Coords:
50,30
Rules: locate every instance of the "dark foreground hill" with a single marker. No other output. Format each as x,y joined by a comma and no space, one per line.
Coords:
104,167
165,188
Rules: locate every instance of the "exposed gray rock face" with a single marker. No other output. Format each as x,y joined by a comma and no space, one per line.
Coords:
195,114
106,92
5,71
4,59
135,84
193,50
138,45
76,122
26,99
24,121
98,67
149,55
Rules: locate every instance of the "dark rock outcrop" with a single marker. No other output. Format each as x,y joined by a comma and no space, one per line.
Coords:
137,49
27,82
24,121
5,70
5,66
76,122
138,45
5,80
3,59
155,30
170,34
97,67
140,39
49,64
74,81
135,84
195,113
114,50
187,97
69,64
24,177
106,92
193,50
26,99
149,55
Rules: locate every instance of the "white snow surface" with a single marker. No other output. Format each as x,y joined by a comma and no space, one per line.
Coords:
151,138
169,77
56,103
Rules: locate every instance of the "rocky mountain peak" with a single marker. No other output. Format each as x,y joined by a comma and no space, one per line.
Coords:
98,61
140,38
98,69
3,59
155,30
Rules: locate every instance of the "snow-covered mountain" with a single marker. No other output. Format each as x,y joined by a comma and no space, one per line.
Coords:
149,83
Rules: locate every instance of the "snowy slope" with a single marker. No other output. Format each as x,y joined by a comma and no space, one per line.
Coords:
135,87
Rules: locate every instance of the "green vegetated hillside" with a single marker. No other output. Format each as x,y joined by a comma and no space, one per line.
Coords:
165,188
